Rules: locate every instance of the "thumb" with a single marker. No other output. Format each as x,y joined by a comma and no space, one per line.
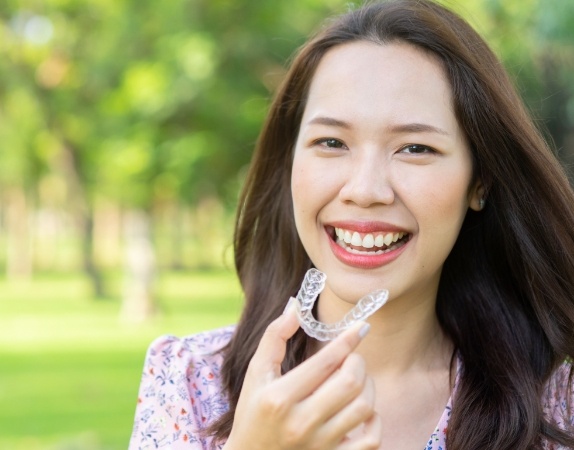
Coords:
271,350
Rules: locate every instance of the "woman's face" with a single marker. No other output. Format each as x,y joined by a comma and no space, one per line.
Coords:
382,172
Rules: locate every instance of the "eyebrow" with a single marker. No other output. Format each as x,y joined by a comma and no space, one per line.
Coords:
418,128
414,127
329,121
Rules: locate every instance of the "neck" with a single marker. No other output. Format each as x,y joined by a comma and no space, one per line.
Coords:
404,337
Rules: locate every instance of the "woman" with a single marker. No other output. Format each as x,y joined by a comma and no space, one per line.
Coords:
396,155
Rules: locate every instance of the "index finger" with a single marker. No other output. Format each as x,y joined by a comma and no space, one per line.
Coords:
271,350
309,375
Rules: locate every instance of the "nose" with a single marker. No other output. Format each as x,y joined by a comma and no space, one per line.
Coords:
367,183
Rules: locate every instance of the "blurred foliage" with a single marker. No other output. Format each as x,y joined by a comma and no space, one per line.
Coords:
145,104
140,101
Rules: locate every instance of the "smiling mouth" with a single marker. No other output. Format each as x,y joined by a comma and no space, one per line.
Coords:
368,243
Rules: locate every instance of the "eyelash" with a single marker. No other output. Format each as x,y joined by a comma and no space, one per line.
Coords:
323,142
339,144
425,148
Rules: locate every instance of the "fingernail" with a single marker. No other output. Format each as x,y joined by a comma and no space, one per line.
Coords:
290,304
364,330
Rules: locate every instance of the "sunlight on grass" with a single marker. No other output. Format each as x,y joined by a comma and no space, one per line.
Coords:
70,369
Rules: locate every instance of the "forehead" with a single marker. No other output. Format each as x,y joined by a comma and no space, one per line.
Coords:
395,81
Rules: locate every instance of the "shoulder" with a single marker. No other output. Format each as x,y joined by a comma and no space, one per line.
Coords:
170,350
558,396
192,361
196,356
204,342
181,390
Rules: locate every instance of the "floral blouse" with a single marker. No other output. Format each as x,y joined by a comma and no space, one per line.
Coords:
181,393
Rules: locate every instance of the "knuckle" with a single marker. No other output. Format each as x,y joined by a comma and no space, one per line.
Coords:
295,434
350,383
363,408
316,445
355,360
330,361
371,443
273,404
333,356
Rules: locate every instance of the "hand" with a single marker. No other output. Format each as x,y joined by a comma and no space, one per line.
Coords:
314,406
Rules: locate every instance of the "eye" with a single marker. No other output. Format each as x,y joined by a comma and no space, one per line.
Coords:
330,143
417,149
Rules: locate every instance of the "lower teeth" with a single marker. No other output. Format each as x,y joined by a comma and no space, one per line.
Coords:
359,252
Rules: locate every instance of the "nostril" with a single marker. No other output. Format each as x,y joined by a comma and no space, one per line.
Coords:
365,194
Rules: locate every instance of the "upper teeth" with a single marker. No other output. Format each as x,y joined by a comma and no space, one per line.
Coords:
368,240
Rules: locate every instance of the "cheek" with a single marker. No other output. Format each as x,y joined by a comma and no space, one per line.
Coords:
450,200
445,213
302,182
441,199
298,183
311,184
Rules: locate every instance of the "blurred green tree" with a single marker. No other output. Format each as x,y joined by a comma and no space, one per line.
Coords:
535,40
149,105
140,103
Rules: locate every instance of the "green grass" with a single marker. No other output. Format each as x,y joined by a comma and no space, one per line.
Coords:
70,369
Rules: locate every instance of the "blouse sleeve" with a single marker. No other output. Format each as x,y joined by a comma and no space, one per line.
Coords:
180,392
558,400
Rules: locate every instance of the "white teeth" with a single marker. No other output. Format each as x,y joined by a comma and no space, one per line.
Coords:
369,241
388,239
347,237
358,252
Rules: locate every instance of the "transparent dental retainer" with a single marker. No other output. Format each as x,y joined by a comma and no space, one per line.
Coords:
313,284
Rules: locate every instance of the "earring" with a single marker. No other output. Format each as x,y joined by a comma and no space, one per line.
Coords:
481,203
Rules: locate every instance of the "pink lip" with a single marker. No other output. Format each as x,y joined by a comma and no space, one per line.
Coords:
366,227
364,261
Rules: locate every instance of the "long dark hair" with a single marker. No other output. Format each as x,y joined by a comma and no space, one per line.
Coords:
505,295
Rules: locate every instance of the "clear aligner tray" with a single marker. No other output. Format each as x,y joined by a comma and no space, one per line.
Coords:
313,284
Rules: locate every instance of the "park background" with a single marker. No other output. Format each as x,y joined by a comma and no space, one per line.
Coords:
126,127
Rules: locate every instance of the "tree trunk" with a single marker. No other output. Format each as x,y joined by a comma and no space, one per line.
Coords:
138,302
177,235
18,245
80,205
90,269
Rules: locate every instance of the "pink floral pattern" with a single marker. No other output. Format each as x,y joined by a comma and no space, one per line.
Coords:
181,393
558,402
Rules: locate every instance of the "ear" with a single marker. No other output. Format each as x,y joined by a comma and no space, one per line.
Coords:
477,196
